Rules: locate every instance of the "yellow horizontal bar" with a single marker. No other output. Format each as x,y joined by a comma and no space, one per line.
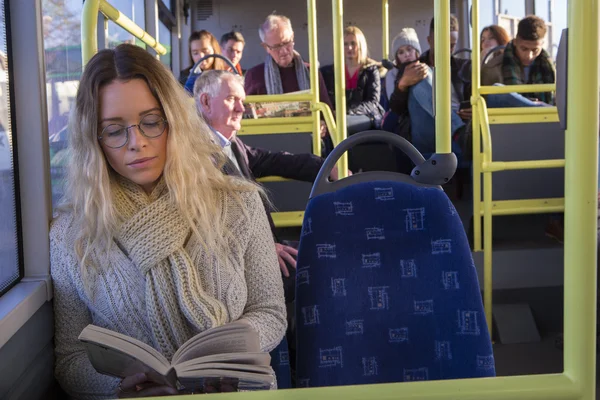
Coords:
278,98
277,121
495,166
522,115
523,111
286,219
124,22
547,87
533,387
273,179
275,129
530,206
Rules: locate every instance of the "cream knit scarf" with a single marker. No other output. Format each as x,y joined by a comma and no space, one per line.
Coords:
153,237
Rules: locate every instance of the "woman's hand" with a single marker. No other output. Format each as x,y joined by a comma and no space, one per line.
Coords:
139,385
413,74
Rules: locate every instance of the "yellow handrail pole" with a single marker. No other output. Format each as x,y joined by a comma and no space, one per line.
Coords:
475,127
89,28
581,190
385,26
314,74
442,77
124,22
486,138
340,80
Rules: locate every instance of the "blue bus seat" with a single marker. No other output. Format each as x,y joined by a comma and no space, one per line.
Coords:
280,362
387,290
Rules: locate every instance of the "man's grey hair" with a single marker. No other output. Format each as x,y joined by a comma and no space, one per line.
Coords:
273,21
210,82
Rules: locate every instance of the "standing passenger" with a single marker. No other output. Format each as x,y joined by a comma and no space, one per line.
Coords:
153,241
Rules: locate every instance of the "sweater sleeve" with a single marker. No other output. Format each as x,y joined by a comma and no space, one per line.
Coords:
73,369
265,307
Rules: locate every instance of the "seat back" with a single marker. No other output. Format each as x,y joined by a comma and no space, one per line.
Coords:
387,289
280,362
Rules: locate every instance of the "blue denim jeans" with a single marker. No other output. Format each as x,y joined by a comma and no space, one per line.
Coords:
422,119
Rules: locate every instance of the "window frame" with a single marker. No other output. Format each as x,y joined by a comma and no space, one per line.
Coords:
14,150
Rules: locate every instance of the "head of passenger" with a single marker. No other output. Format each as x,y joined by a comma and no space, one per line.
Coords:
203,43
232,46
277,38
492,36
131,122
453,36
529,42
355,46
406,47
219,97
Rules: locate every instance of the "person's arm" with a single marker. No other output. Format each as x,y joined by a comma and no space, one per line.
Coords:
410,75
265,307
73,369
371,95
302,167
254,82
323,94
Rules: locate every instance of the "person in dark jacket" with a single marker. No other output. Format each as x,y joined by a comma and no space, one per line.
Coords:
414,94
219,97
363,82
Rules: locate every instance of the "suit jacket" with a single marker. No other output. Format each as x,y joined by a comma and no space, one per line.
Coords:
257,163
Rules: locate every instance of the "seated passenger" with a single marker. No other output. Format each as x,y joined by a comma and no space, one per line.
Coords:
363,83
200,44
406,49
207,44
524,61
142,245
414,94
220,99
232,46
491,37
283,71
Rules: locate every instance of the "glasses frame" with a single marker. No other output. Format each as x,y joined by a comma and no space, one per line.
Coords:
138,125
277,48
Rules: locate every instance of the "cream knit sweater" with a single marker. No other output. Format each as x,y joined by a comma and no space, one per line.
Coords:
249,285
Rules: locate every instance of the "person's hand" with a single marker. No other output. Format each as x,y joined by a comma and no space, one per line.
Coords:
323,129
334,176
139,385
465,113
286,253
413,74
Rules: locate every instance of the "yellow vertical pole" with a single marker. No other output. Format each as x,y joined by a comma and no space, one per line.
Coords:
442,77
475,125
385,26
487,220
581,180
89,30
340,79
314,73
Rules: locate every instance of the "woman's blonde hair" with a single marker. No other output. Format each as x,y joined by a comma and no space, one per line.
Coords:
191,171
361,40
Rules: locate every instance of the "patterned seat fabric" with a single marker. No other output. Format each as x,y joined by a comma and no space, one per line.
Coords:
387,290
280,362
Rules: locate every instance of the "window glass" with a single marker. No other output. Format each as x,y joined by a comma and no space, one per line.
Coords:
167,4
515,8
62,51
134,10
164,37
10,271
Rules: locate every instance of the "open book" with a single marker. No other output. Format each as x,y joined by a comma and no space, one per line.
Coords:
229,354
283,109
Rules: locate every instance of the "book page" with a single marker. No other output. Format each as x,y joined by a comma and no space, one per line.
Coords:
112,351
279,109
196,369
235,337
230,358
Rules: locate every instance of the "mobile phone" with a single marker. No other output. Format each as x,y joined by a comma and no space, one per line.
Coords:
464,105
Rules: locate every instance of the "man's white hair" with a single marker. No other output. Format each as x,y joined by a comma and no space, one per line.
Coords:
273,21
210,82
